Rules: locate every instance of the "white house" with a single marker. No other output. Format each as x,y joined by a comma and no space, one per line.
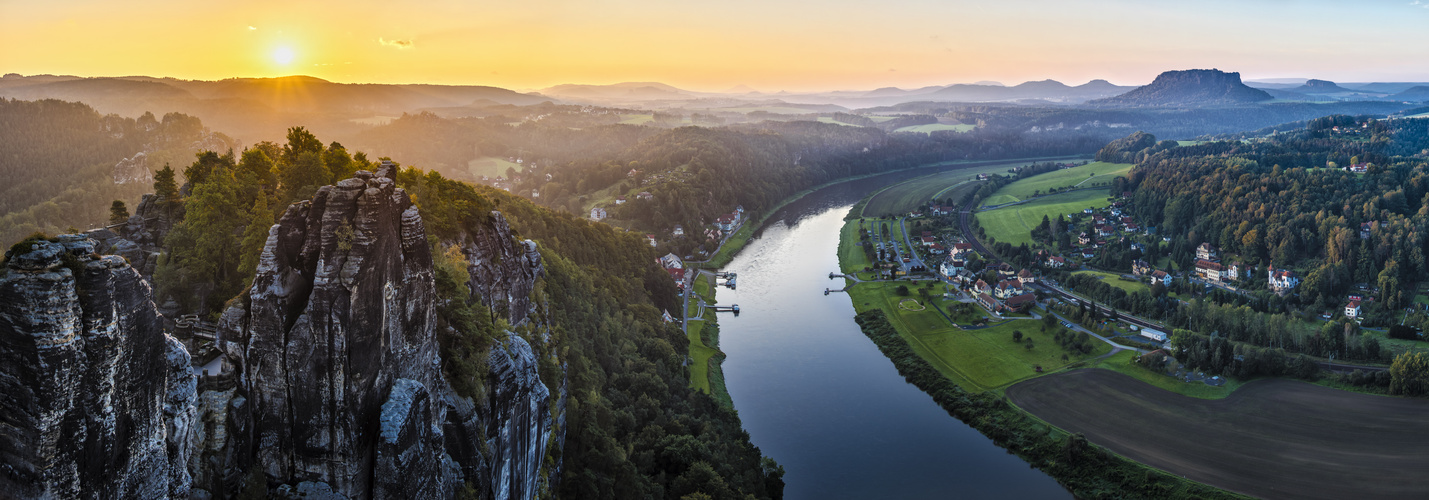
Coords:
1352,310
597,213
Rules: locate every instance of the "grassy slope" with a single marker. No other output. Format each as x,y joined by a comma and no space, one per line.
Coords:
1116,281
1014,224
705,373
908,195
1085,175
490,166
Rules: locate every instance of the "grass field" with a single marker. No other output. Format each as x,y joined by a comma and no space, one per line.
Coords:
903,197
1116,281
934,127
977,360
830,119
490,166
851,257
636,119
1124,363
1085,175
700,352
1272,438
1014,224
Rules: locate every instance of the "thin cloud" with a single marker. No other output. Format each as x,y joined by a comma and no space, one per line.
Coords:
250,28
399,44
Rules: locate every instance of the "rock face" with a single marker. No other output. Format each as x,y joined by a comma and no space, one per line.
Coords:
503,272
134,169
341,310
1193,87
324,378
98,401
139,239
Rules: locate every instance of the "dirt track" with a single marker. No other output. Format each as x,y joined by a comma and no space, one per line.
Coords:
1271,438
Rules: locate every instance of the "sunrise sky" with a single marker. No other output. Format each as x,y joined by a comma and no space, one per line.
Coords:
768,45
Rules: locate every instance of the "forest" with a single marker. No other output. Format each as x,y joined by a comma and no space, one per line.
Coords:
635,427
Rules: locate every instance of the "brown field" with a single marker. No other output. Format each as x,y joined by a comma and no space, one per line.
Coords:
1271,438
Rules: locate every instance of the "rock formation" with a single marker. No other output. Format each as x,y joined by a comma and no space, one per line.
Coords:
1193,87
98,400
324,378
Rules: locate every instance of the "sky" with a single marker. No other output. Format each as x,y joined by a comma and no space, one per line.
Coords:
768,45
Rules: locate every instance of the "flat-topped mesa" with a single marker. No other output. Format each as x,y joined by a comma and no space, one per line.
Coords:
99,402
341,309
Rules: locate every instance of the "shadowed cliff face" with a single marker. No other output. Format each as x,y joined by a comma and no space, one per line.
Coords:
343,309
98,401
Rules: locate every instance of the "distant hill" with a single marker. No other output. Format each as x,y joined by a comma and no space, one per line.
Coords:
1320,87
627,92
1414,94
1194,87
1051,90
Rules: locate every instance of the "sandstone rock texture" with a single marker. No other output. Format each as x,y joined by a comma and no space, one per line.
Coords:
97,401
324,377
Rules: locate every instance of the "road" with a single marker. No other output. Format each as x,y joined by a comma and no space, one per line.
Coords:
1115,347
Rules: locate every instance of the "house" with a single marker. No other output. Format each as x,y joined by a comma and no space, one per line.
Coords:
1099,219
1208,270
1359,168
666,317
1088,253
1021,303
928,241
678,231
1160,278
1232,272
1206,252
1025,277
679,276
1133,228
645,195
1139,247
961,249
1056,262
1365,229
670,261
1007,288
1105,230
981,287
597,213
619,200
1084,239
950,268
726,222
739,209
651,239
632,173
938,249
982,177
1282,280
1005,271
1352,310
989,302
1140,268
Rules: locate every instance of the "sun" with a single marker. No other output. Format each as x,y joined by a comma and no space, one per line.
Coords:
283,56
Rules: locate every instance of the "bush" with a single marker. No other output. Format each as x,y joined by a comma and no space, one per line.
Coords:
902,290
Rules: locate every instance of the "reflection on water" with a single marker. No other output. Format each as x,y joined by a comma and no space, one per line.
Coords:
818,396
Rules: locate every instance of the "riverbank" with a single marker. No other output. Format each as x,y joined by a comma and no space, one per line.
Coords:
702,330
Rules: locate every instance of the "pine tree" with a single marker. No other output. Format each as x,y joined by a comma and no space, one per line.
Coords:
255,236
166,189
118,212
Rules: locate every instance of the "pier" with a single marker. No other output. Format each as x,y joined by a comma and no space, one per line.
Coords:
734,308
828,291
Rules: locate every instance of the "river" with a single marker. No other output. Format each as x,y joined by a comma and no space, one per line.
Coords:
817,395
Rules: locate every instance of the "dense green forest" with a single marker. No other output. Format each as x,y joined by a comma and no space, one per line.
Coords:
60,161
634,427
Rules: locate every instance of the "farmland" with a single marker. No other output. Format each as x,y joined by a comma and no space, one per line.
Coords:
1272,438
1083,176
490,166
909,195
1014,224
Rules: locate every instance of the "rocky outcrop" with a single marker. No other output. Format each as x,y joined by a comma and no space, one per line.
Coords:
139,239
98,401
135,169
324,377
341,310
503,271
1192,87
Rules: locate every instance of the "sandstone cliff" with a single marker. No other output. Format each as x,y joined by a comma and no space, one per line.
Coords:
98,400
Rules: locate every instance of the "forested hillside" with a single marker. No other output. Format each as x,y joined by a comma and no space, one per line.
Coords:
634,428
64,163
1274,201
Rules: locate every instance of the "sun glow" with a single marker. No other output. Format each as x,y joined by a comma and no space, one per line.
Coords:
283,56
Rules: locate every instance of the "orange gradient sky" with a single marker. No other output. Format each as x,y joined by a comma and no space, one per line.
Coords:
767,45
